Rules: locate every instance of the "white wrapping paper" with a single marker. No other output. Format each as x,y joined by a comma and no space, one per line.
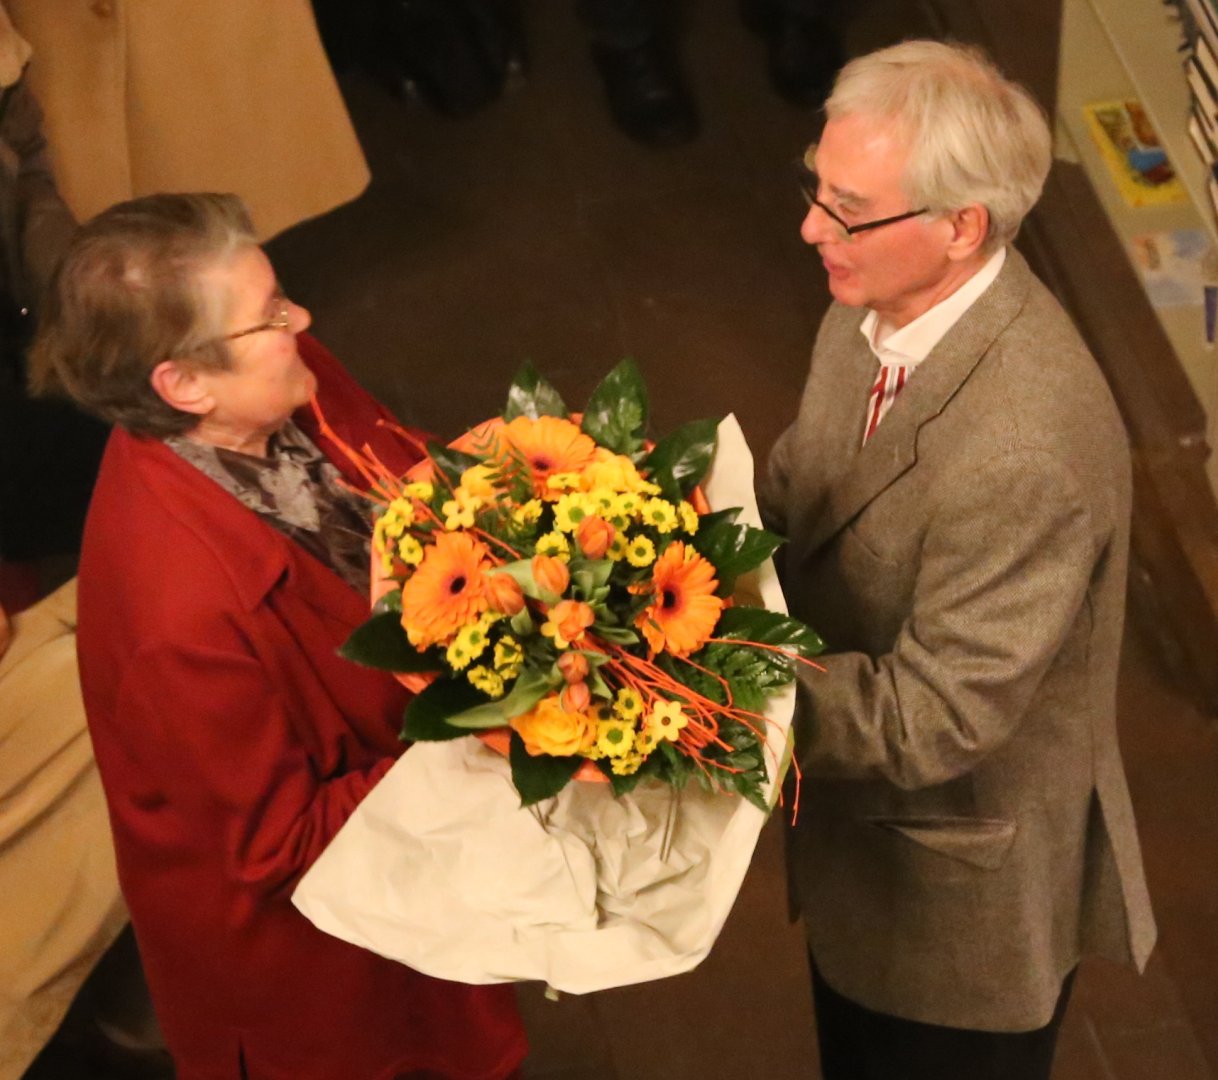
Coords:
440,867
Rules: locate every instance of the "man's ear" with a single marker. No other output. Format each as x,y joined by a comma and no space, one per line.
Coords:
970,227
185,387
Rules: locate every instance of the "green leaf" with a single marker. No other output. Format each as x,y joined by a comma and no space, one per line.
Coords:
734,549
529,689
540,777
617,635
428,714
532,396
450,463
624,785
769,628
381,643
390,601
616,413
679,461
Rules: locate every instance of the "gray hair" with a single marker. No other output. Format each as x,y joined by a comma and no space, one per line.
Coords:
129,293
974,136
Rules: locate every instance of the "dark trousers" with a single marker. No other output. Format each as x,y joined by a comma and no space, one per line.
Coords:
626,24
858,1044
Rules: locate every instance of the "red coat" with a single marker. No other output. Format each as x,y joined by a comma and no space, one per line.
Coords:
233,743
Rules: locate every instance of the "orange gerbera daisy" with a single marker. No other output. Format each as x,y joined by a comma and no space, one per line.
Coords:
549,445
447,591
684,610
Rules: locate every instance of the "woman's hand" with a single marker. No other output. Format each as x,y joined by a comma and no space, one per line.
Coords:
6,631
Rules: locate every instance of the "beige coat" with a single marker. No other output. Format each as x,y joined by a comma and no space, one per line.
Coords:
60,906
966,832
143,96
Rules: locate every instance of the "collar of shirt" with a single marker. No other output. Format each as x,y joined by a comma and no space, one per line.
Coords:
912,343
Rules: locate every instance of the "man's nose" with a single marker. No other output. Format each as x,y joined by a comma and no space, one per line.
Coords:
817,227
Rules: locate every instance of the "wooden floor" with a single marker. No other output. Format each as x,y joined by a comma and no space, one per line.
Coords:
534,230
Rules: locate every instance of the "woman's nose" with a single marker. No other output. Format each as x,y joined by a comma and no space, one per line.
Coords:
301,318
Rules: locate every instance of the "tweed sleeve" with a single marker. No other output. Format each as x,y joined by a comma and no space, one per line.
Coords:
999,597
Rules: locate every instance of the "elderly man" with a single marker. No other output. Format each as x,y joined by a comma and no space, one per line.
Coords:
956,488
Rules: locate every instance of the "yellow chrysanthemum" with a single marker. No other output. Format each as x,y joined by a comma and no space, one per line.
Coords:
689,517
601,500
553,544
660,514
617,472
508,654
570,510
615,738
468,645
666,720
684,608
527,513
645,741
419,489
410,551
617,547
626,508
491,683
447,591
626,766
628,704
640,551
560,483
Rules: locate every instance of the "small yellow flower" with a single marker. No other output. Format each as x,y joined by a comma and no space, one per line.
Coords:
570,510
386,563
689,517
625,766
508,654
628,704
645,741
660,514
626,507
478,481
469,644
489,682
666,720
617,547
615,738
602,501
527,513
640,552
457,515
420,489
410,551
555,545
560,482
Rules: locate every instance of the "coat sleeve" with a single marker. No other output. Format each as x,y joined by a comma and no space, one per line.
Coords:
212,720
996,597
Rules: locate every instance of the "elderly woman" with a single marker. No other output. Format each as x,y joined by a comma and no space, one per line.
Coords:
224,562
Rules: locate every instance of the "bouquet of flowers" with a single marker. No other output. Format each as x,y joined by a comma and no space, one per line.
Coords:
557,584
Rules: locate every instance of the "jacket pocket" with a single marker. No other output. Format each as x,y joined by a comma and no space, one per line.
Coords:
980,842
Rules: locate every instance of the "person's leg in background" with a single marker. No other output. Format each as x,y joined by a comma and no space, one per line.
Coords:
632,44
803,50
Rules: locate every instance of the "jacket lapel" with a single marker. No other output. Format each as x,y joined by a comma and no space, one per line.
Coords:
892,450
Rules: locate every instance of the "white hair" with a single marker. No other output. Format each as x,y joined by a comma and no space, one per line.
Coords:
974,136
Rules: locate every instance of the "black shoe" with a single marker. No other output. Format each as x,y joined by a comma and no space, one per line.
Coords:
646,97
804,53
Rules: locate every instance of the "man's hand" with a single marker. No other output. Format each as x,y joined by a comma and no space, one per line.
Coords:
6,631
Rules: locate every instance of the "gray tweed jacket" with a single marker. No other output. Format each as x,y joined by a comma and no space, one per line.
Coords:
966,831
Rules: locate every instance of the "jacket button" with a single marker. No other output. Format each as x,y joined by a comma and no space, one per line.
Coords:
104,8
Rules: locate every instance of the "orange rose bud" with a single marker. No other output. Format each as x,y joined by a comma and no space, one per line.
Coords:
572,618
551,574
595,535
575,698
574,667
504,594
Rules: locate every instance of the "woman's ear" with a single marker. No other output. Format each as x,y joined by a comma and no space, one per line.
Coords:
185,387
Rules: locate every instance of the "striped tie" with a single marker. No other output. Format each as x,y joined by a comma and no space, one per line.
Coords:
888,383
